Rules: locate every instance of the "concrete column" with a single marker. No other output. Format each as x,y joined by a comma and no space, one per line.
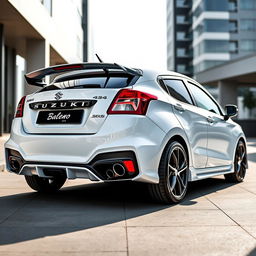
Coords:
10,87
2,66
85,29
37,57
227,93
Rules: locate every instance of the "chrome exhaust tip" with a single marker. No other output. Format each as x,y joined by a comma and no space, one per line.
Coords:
15,163
110,174
119,170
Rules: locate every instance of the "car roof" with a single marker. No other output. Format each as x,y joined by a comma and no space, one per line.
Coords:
146,74
151,74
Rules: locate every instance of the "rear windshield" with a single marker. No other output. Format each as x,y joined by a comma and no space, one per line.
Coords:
102,82
93,82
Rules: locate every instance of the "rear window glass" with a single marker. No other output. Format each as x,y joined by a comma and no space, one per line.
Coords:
104,82
115,82
93,82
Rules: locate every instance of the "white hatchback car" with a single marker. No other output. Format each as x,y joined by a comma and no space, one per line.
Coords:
109,123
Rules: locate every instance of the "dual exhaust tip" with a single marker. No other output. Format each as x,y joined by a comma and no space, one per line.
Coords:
15,163
118,170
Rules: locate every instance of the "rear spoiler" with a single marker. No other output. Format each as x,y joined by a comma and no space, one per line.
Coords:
36,77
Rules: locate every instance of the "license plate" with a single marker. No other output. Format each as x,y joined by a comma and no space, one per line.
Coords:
60,117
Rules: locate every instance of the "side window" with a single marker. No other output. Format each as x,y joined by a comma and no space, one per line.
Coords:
177,89
203,100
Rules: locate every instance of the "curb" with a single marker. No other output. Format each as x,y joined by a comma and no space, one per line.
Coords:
2,167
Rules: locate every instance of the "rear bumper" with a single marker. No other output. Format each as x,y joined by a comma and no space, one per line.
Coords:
137,134
96,170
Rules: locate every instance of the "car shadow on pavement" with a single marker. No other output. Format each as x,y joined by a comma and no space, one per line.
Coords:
252,253
87,206
252,157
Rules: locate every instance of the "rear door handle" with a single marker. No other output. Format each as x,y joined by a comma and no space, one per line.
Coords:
210,119
179,107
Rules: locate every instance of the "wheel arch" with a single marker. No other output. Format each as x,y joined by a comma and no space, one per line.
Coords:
183,141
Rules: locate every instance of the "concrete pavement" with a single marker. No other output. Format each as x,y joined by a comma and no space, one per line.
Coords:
84,218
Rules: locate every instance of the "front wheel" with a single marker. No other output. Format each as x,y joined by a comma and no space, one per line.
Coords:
173,175
239,164
44,184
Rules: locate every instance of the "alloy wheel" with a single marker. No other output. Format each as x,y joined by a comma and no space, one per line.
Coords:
177,181
240,161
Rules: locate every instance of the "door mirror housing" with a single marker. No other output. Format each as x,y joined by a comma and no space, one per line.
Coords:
231,111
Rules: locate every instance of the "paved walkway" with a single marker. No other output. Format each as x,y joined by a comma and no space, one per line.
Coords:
84,218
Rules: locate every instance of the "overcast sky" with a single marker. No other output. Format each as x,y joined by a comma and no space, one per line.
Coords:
129,32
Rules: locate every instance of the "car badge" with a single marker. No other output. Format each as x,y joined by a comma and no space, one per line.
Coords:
58,95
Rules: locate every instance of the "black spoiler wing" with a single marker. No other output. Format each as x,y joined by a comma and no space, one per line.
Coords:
36,77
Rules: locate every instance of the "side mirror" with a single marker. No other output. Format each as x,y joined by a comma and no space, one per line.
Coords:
231,111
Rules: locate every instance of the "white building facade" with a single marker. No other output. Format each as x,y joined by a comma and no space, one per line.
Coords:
35,34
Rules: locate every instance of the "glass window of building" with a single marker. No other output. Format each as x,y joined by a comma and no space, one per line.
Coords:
232,5
248,24
248,45
216,25
214,46
181,3
181,35
177,90
180,19
233,46
181,68
233,26
216,5
248,4
181,52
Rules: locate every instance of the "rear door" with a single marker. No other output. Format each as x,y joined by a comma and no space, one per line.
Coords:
193,121
219,131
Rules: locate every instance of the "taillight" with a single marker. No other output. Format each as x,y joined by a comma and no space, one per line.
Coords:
20,108
130,102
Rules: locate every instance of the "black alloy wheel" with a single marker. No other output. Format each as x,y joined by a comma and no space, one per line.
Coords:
173,174
239,164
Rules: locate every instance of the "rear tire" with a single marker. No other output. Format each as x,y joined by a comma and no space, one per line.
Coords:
173,175
44,184
239,164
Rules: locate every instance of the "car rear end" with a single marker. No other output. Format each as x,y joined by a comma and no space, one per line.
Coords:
89,123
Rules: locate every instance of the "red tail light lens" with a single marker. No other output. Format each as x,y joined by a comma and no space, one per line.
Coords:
20,108
130,102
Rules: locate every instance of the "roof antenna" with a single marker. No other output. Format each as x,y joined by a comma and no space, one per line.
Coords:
100,60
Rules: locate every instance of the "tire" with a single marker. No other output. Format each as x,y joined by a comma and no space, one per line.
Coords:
173,175
44,184
239,164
